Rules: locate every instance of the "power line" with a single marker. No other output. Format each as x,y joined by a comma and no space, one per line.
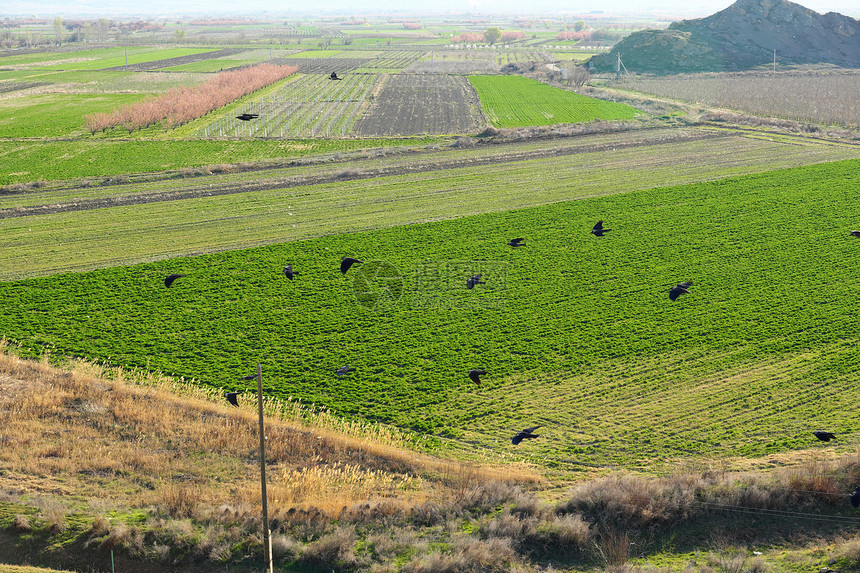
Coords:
778,512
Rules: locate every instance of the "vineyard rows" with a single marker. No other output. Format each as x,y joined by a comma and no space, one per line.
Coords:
324,65
814,97
312,105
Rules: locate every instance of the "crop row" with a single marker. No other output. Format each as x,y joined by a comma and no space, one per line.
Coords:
73,241
52,160
577,333
515,101
310,106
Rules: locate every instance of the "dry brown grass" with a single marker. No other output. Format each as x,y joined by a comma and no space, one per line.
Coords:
86,432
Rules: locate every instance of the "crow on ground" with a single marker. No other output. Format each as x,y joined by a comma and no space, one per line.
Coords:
334,76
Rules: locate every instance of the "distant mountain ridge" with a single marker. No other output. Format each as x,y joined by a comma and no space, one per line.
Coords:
742,36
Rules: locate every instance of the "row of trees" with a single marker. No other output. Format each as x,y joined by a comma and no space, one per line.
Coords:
491,36
183,104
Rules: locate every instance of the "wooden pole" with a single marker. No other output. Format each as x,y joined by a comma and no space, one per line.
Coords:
267,541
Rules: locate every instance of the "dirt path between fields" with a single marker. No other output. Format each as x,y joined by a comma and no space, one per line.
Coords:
354,172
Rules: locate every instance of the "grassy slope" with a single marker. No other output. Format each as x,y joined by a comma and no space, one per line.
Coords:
763,345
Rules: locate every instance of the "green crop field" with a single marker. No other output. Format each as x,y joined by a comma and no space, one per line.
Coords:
99,58
515,101
40,160
26,117
577,333
50,243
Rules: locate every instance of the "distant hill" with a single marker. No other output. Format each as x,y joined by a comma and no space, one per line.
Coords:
742,36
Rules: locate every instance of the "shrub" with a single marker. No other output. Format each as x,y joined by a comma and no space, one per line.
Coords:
21,523
335,551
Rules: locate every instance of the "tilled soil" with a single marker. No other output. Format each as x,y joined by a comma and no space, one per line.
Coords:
168,62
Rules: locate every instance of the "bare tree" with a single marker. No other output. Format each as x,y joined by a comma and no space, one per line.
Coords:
58,30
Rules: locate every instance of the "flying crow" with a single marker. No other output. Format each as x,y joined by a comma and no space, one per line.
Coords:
824,436
247,116
525,434
855,497
344,370
347,262
855,233
475,375
598,229
288,270
231,397
517,242
472,281
679,289
170,278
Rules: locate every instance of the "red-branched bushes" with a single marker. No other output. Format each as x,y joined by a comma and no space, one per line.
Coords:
469,38
183,104
581,35
511,35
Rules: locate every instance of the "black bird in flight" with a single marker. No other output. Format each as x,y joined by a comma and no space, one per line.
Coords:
249,377
524,435
679,289
334,76
598,229
475,375
248,116
855,497
517,242
288,270
824,436
170,278
472,281
231,397
344,370
347,262
855,233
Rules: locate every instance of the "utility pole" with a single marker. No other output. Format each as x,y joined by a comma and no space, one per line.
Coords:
774,59
267,540
618,67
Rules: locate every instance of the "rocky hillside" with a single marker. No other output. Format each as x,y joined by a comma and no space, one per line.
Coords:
743,36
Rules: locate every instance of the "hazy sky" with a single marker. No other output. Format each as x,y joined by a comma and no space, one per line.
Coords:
109,8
